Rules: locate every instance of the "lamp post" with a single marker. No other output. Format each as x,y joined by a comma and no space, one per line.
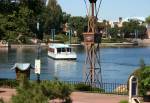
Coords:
70,35
38,61
53,34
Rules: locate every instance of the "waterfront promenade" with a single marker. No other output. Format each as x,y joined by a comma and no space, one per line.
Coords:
77,97
141,43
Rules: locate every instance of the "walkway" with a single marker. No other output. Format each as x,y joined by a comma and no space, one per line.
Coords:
77,97
80,97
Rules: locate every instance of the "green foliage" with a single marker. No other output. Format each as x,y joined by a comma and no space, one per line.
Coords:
148,19
130,27
1,100
32,94
114,40
124,101
66,17
61,38
78,24
113,32
8,83
52,16
6,7
41,93
86,87
56,89
143,75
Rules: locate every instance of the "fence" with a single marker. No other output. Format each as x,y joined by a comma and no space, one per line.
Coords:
105,88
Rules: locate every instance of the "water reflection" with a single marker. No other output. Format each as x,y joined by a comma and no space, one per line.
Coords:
117,63
62,68
3,56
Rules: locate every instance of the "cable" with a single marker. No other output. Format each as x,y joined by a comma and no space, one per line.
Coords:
99,7
86,6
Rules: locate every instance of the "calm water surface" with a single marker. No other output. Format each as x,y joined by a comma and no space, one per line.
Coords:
116,63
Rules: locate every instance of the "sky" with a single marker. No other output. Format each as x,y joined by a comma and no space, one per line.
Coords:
110,9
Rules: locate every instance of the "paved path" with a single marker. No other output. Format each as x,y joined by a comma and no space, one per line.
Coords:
6,93
77,97
80,97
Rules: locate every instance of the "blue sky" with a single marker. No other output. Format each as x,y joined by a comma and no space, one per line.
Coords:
110,9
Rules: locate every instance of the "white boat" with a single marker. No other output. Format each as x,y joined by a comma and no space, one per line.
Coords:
61,51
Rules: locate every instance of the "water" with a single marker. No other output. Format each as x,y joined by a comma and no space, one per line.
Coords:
116,63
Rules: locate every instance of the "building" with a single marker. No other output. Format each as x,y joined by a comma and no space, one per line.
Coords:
117,23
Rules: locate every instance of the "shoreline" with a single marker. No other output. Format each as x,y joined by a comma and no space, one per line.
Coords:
103,45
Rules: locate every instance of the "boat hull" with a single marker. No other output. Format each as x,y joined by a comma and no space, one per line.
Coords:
63,56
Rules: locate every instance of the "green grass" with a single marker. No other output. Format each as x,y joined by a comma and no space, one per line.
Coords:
124,101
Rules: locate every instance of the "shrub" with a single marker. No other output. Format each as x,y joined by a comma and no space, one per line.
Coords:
86,87
123,101
41,93
1,100
31,94
61,37
8,83
143,75
56,89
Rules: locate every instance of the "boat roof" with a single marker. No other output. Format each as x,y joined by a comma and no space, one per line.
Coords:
59,46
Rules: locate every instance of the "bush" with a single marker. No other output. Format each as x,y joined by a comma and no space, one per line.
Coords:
1,100
32,94
41,93
86,87
143,75
8,83
123,101
56,89
62,38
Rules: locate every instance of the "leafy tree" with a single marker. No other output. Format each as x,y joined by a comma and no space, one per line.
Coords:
6,7
53,16
113,32
66,17
37,7
130,27
148,19
79,24
2,26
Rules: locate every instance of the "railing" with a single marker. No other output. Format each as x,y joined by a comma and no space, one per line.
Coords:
104,88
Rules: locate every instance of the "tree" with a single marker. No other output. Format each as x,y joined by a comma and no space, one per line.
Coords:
129,28
79,24
66,17
53,16
20,21
113,32
6,7
148,20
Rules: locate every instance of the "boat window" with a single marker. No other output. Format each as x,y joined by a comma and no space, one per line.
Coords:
58,50
68,49
63,50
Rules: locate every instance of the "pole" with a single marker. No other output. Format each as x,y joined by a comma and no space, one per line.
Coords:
53,34
38,61
70,32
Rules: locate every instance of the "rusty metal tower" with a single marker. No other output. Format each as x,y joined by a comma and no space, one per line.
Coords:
92,39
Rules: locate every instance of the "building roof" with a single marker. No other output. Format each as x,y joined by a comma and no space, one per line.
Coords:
22,66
